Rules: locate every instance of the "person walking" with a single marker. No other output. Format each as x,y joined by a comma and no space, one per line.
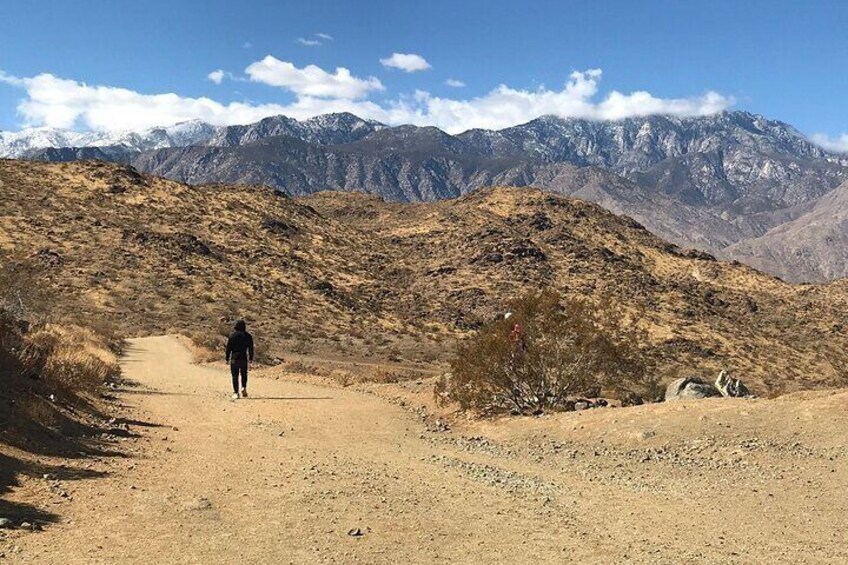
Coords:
239,355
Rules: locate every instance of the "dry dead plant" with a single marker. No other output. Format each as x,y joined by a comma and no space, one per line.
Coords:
549,349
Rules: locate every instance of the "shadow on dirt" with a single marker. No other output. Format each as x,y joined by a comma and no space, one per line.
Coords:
285,398
13,470
34,427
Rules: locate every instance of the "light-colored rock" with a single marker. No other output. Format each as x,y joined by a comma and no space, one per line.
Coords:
728,386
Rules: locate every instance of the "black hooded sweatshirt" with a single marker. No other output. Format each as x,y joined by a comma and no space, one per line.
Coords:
240,347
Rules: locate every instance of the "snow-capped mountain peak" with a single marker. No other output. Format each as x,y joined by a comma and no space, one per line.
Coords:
19,144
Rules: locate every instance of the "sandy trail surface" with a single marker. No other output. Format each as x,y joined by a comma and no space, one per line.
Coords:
287,475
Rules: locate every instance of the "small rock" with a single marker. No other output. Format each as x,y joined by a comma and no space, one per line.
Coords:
355,533
26,526
6,524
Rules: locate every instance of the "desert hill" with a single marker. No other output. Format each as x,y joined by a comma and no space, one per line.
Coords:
349,274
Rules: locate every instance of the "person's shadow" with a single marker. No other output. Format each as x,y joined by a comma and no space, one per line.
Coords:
287,398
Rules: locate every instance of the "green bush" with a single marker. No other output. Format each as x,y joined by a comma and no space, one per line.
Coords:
549,350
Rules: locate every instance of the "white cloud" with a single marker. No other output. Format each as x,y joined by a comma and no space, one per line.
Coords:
316,40
309,42
10,80
311,80
62,103
455,83
835,144
505,106
58,102
407,62
216,76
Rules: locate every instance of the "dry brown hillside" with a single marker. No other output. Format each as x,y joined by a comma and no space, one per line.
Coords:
347,274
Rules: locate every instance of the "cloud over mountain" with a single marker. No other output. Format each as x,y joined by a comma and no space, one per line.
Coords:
65,103
837,144
311,80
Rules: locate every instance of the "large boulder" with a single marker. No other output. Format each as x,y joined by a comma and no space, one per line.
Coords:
688,388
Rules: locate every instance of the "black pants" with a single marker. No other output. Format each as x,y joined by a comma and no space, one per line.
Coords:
236,368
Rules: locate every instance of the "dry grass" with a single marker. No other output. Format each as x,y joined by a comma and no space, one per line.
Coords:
70,359
51,376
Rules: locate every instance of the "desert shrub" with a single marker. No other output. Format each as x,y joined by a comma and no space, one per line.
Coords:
550,348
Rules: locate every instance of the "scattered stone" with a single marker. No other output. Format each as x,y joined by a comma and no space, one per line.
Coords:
6,524
435,427
631,399
355,533
26,526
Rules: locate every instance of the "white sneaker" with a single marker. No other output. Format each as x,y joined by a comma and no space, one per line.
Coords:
244,393
235,396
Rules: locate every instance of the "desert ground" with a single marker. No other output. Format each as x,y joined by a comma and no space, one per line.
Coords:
308,471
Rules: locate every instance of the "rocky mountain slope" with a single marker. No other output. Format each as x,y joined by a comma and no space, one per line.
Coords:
735,160
352,275
327,129
811,247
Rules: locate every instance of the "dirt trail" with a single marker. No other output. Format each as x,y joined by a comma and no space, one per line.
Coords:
283,477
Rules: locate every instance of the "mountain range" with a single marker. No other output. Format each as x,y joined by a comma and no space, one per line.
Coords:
733,184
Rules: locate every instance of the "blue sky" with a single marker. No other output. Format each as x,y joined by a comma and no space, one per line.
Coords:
786,60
